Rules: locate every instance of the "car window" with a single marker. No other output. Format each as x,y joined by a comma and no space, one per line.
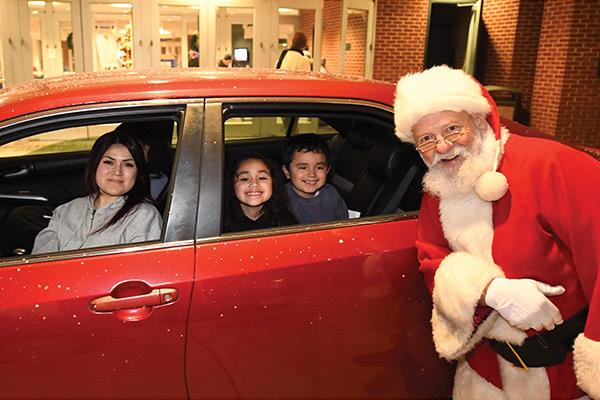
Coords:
256,127
46,169
371,170
79,138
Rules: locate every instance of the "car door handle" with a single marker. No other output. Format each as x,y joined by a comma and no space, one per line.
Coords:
24,171
155,298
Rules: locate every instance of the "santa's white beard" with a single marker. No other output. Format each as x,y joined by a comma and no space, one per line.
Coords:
445,182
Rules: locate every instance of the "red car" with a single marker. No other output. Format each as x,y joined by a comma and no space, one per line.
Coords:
330,310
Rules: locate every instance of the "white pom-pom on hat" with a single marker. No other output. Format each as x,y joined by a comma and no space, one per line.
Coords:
491,186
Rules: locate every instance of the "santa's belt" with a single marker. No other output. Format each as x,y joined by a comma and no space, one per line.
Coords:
546,348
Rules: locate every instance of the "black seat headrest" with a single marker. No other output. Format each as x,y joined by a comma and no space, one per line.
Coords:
358,140
384,158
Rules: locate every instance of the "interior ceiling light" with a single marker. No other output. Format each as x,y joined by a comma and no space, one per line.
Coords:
121,5
164,31
36,3
288,11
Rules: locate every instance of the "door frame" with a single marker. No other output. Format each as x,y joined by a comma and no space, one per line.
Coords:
472,39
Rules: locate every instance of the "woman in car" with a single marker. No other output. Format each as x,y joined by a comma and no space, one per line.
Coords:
255,198
117,210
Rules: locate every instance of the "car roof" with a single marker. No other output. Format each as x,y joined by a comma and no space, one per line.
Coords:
102,87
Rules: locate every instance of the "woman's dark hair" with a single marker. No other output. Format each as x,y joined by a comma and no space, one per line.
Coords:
299,41
272,208
141,188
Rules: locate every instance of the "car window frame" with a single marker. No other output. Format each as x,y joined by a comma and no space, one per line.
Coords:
178,227
209,230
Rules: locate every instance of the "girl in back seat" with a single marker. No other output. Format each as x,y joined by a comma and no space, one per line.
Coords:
255,197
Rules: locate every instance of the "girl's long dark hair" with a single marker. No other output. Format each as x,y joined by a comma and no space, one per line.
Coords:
272,209
141,188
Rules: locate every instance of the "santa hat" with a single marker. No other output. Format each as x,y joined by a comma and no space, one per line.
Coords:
442,88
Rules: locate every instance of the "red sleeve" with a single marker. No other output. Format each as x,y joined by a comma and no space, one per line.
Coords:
570,206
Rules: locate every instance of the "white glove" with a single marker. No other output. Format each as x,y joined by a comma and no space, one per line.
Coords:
523,302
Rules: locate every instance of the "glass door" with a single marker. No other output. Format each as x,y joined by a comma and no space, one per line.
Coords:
109,36
179,35
235,36
356,47
51,30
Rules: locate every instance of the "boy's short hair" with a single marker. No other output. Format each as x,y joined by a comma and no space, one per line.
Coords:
304,142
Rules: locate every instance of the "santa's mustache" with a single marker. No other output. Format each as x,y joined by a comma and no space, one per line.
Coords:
456,151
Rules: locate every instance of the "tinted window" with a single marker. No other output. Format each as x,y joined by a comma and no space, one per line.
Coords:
46,169
370,168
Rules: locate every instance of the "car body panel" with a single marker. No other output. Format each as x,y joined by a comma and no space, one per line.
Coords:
281,312
55,346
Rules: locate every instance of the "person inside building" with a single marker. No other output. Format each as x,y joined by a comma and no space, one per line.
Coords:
226,61
294,58
508,243
118,209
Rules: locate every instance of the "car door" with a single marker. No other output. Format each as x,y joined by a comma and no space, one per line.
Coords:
106,322
333,310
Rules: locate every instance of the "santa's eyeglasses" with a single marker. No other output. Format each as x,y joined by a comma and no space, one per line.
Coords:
429,141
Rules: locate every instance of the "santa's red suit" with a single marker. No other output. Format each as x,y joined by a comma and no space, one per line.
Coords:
545,227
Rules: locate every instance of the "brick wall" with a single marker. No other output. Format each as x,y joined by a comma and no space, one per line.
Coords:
307,22
399,38
550,66
579,109
356,37
332,26
306,25
509,44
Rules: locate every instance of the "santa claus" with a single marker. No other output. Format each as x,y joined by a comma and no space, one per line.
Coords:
508,242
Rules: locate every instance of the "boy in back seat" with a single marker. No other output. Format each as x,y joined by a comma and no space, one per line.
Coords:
305,162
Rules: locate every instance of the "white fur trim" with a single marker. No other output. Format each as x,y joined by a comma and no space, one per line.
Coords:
469,385
505,332
520,384
437,89
586,362
459,283
517,384
467,225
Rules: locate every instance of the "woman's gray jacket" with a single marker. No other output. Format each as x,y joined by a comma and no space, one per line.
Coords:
75,225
